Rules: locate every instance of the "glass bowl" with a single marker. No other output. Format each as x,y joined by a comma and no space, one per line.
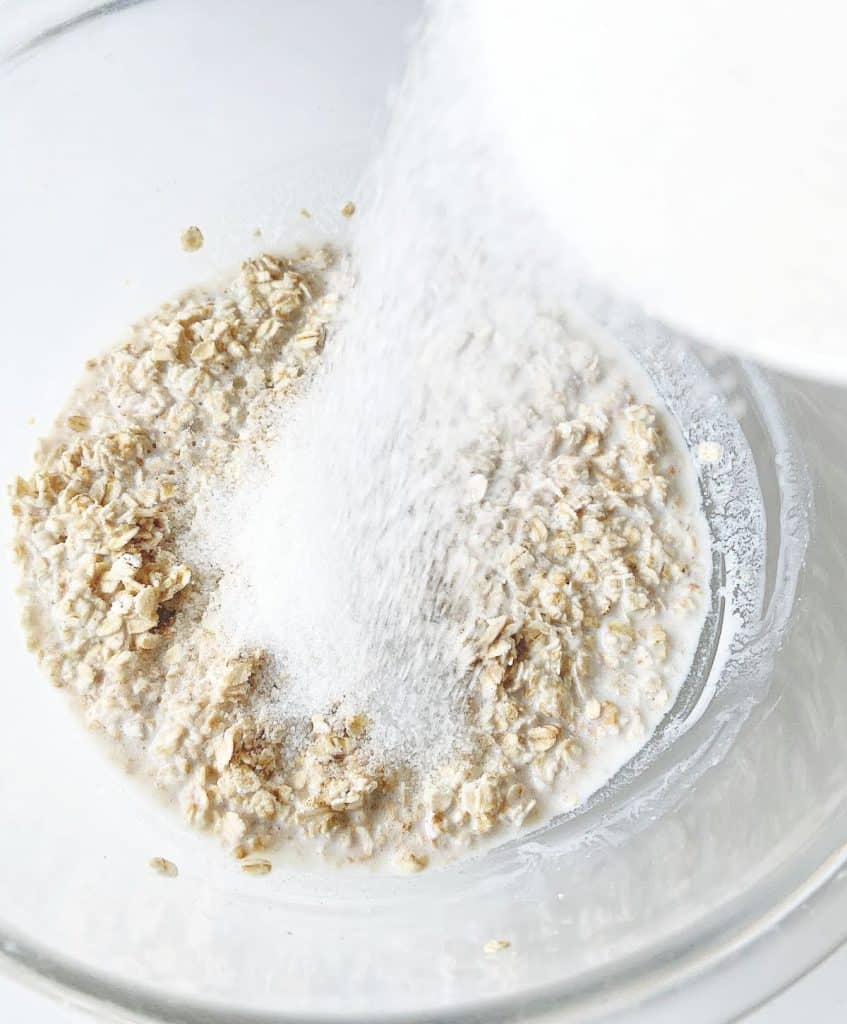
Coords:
705,880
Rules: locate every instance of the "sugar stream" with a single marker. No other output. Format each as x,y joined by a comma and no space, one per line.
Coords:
344,560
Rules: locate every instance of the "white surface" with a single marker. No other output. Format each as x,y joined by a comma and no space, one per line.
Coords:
822,997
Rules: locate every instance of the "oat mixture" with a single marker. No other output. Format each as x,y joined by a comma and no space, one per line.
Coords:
587,602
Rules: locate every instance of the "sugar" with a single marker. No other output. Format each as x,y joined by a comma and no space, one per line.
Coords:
347,558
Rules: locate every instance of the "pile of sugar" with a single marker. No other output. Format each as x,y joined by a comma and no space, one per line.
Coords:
343,556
